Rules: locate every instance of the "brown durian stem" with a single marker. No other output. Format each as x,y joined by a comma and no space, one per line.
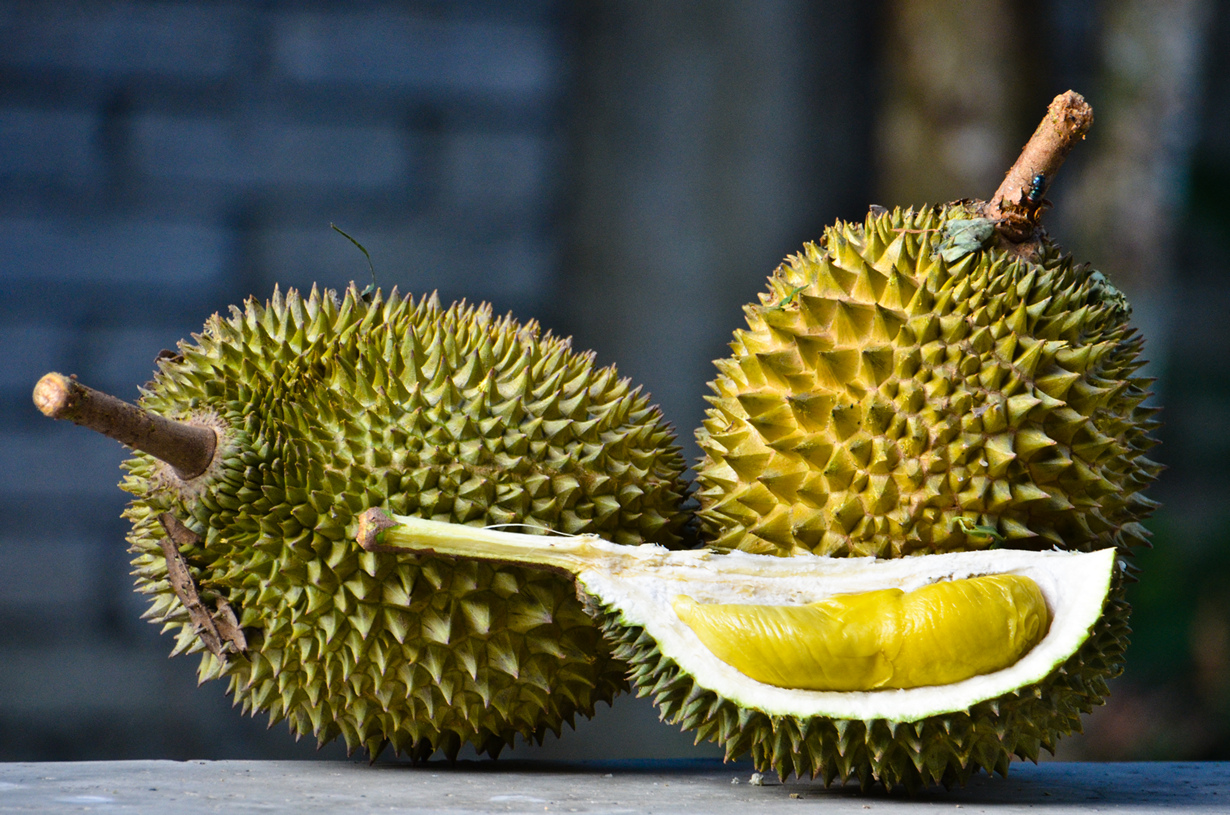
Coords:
214,630
186,447
1017,205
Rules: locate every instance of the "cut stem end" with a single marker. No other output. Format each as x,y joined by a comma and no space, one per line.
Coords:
187,447
1017,205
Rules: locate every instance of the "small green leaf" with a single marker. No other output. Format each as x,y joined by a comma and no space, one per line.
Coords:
787,300
370,291
965,235
793,294
980,533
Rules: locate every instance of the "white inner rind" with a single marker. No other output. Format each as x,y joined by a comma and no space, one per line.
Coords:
1074,584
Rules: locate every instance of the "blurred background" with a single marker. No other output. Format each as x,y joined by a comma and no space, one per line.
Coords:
625,172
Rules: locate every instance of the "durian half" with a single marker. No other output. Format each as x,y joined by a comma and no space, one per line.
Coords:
315,408
908,737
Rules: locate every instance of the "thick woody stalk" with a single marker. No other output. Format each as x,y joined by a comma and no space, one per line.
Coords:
1018,203
186,447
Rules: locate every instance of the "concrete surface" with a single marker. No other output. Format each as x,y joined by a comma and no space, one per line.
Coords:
708,787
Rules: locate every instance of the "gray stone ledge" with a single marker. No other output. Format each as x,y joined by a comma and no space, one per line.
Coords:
622,787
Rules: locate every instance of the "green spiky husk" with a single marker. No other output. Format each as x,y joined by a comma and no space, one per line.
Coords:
942,749
327,406
884,401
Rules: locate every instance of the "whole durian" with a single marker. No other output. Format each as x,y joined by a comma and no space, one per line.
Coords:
930,380
320,407
892,397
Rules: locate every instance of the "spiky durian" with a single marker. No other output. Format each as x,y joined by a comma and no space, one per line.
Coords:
890,397
909,737
325,406
933,380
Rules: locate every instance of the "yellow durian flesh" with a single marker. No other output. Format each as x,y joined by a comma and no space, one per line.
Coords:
939,634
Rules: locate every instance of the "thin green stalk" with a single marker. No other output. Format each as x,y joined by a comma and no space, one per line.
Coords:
399,534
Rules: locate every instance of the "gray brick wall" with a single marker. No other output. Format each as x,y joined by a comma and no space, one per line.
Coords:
160,160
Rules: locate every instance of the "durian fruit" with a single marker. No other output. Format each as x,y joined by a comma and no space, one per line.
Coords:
900,733
890,398
321,406
929,380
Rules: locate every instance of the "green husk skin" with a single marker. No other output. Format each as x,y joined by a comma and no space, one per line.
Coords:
943,749
906,388
329,405
886,401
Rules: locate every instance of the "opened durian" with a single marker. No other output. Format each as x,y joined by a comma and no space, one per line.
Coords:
1051,607
940,379
308,410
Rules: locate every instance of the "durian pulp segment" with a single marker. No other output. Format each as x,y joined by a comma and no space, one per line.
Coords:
641,582
939,634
